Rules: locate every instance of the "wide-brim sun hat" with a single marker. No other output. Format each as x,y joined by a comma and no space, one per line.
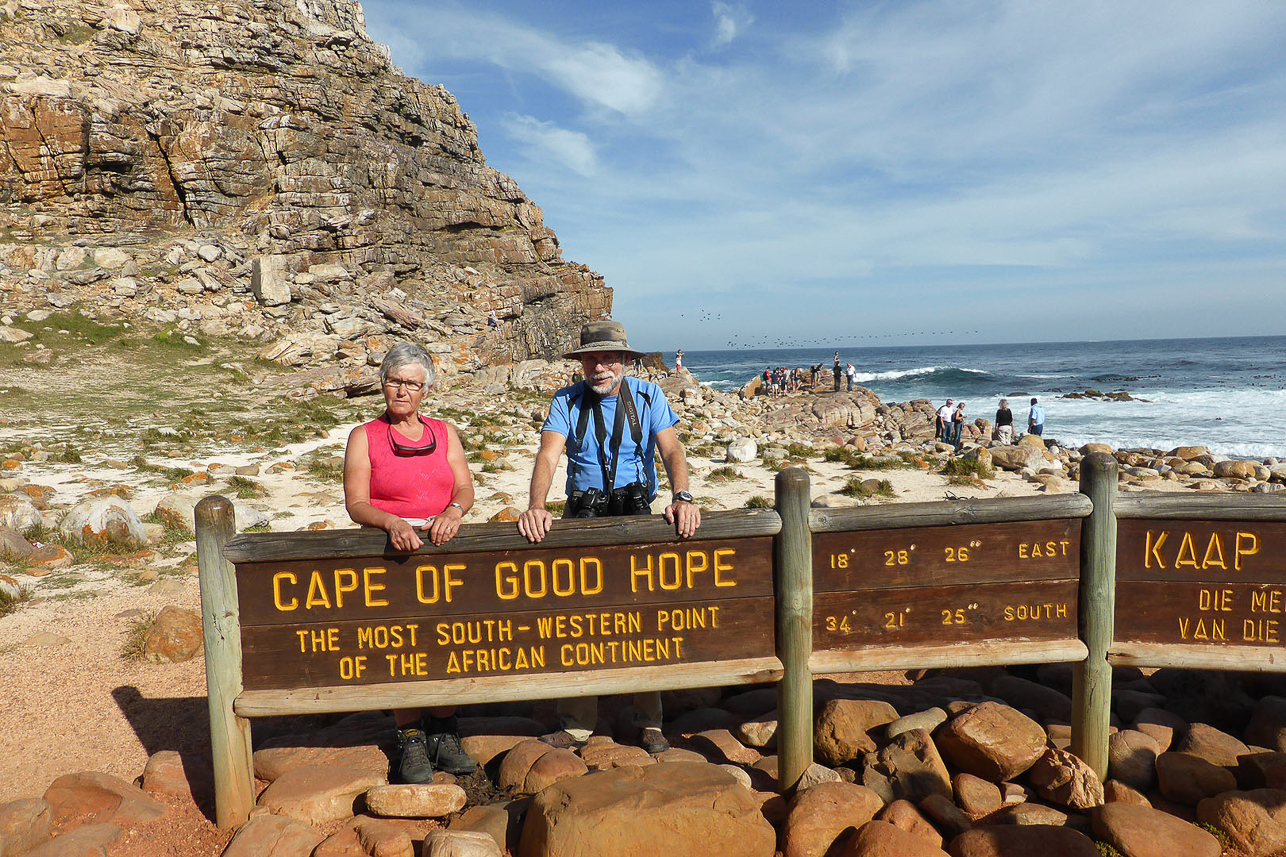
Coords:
602,336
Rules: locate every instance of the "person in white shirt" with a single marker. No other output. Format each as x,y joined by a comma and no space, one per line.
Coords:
944,421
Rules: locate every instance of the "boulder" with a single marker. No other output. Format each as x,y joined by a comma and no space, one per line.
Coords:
881,839
1215,746
93,797
103,521
18,514
839,734
743,450
518,761
13,546
824,815
1132,757
908,767
460,843
903,814
268,281
1025,695
1141,831
1267,726
430,800
271,762
1187,779
89,840
1041,840
653,811
992,741
273,836
1063,779
1020,457
1254,820
317,795
550,768
24,824
175,636
976,796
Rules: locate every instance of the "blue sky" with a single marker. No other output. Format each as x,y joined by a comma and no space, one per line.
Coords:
902,173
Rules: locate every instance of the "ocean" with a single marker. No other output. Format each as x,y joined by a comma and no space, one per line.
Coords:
1228,394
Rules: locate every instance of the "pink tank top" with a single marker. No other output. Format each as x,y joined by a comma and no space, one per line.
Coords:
409,486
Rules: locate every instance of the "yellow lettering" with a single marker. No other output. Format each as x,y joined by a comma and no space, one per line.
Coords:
340,587
372,587
506,581
565,565
1022,550
317,595
276,591
1187,552
1151,551
673,560
585,565
645,572
697,562
1214,553
1251,548
720,566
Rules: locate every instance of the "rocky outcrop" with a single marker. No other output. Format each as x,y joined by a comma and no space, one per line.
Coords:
161,155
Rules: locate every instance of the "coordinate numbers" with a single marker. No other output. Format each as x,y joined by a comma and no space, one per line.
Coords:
961,554
898,557
957,616
838,623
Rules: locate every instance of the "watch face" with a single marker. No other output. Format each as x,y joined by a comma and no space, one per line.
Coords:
682,495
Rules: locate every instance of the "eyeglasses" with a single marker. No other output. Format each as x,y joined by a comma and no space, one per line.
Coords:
405,449
411,386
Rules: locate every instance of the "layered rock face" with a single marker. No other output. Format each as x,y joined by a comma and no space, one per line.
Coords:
279,132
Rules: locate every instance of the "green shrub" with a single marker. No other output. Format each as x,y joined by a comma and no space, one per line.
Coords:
246,488
723,474
968,467
136,636
759,502
11,602
854,488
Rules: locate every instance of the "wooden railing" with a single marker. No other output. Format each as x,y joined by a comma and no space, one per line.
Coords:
336,621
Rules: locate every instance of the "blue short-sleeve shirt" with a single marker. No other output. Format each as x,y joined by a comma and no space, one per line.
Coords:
633,464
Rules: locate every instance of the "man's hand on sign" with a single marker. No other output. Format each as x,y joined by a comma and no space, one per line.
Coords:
686,517
534,523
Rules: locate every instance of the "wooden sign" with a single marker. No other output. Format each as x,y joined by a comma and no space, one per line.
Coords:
946,585
1201,583
432,616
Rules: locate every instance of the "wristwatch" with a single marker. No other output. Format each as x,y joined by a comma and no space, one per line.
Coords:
682,497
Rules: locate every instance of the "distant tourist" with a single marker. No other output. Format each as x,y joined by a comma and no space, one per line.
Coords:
765,381
1004,422
678,360
492,320
1036,419
851,374
817,373
837,371
957,425
944,422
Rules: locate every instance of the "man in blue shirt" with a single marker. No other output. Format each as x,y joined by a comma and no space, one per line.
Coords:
1036,419
611,427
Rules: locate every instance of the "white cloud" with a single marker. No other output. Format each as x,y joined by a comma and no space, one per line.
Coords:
545,141
729,21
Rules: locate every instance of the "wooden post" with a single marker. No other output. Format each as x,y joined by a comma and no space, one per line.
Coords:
1092,677
794,562
229,734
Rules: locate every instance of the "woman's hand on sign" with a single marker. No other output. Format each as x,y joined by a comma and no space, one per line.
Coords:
403,536
446,525
534,523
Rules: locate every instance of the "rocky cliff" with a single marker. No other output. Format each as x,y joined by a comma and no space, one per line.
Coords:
259,168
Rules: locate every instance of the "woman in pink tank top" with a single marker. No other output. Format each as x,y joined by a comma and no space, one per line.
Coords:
403,471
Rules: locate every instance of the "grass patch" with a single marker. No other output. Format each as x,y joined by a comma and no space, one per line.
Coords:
854,488
759,501
174,535
9,602
66,455
1224,841
1107,850
136,636
70,327
174,474
246,488
176,341
724,474
971,468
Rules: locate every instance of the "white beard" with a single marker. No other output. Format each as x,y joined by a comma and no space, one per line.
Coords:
605,382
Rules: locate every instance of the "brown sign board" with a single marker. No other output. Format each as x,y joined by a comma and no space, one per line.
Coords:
938,586
380,619
1201,583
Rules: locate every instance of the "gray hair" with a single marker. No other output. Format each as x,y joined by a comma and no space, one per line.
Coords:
407,354
1004,403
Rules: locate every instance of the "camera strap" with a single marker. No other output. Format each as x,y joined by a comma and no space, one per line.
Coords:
625,411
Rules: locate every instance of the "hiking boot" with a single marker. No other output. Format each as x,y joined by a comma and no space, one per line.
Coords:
653,741
413,764
444,747
562,740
